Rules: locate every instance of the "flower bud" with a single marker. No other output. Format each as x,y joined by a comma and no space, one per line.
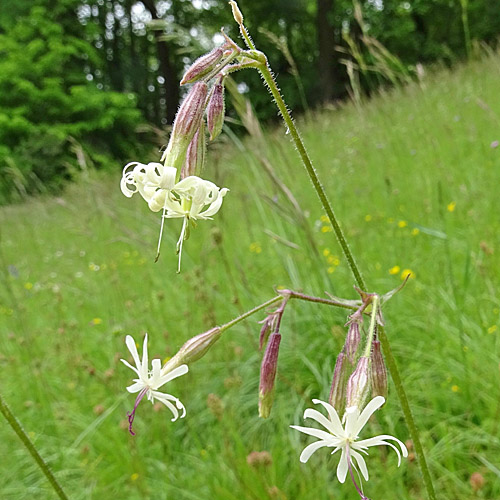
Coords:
358,384
238,16
215,111
186,124
352,340
203,65
264,331
378,371
268,374
195,155
196,347
337,391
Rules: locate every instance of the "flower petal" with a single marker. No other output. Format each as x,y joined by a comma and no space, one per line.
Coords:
310,449
334,417
176,372
321,419
130,343
325,436
126,363
138,386
361,463
145,363
369,410
342,467
380,441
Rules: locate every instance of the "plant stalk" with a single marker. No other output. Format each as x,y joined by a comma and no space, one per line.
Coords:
21,434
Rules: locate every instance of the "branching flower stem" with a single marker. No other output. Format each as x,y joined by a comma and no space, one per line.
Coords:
268,77
21,434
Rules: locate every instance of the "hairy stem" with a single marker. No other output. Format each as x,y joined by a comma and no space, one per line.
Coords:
268,77
21,434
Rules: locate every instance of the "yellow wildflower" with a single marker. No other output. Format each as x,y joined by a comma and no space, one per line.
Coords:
324,218
394,270
455,388
415,231
326,229
492,329
402,224
368,218
451,206
406,272
96,321
134,476
330,270
28,285
326,252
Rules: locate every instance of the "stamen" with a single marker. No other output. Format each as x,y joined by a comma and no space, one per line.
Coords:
161,233
350,467
131,415
180,242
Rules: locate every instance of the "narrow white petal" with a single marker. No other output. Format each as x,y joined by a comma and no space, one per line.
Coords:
325,436
144,366
176,372
334,417
380,441
342,467
369,410
171,407
130,342
126,363
321,419
361,463
138,386
309,450
351,421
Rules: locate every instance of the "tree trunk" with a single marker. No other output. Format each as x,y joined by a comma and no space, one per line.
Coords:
167,68
326,46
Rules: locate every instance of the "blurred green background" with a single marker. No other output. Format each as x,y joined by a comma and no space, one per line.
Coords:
412,173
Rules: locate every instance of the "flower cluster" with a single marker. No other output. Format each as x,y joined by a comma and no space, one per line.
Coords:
191,199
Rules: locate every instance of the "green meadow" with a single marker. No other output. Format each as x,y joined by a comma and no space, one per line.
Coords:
413,175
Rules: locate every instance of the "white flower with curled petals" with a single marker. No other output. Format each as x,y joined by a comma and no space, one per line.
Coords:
148,382
194,198
344,438
153,182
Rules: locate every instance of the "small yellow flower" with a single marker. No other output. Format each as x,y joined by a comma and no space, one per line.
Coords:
406,272
326,229
394,270
326,252
455,388
331,270
415,231
134,476
492,329
96,321
324,218
255,248
28,285
94,267
368,217
451,206
402,224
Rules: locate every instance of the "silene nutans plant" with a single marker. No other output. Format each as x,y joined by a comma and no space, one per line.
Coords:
175,188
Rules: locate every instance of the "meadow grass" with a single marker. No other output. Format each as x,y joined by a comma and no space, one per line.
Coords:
412,176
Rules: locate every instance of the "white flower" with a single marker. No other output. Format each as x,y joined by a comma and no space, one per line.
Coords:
194,198
148,382
345,438
153,181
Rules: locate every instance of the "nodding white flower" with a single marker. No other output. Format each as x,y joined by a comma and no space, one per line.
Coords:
153,182
344,438
148,382
194,198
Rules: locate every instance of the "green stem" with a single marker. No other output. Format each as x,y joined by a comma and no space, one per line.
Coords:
268,77
405,406
16,427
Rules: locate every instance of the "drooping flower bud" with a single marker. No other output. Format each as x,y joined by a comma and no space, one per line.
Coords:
358,384
268,374
215,110
338,388
352,340
186,124
195,155
203,65
378,371
194,349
